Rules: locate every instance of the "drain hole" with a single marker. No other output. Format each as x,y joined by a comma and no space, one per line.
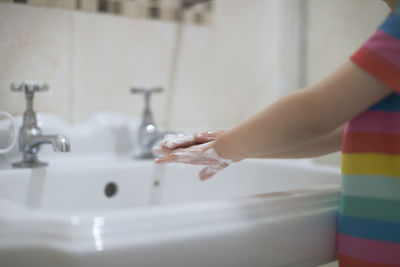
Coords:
111,189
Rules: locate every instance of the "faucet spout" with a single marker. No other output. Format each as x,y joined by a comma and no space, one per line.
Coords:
59,142
62,143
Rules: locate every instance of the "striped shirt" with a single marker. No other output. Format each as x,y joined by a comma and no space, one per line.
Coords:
369,213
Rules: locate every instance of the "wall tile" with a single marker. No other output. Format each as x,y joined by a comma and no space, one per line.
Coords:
192,78
37,2
112,54
169,9
88,5
336,29
37,47
70,4
134,9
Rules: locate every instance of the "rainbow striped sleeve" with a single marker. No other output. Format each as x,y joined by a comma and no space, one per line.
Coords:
369,212
380,55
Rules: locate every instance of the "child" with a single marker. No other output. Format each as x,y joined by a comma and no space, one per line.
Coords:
357,106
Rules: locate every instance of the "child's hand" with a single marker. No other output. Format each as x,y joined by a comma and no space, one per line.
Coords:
171,141
202,154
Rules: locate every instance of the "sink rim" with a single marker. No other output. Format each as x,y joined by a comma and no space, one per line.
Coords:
65,232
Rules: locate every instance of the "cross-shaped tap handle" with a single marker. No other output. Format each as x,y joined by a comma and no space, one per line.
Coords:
147,92
29,87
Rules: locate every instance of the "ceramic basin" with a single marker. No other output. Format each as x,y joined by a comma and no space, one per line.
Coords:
96,206
255,213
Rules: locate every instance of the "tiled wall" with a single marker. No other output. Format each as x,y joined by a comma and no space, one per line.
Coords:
35,44
167,10
89,60
224,72
111,55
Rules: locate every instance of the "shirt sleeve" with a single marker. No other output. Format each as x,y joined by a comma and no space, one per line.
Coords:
380,55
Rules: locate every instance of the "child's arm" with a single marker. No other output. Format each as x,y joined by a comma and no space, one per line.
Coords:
291,123
304,116
329,143
332,142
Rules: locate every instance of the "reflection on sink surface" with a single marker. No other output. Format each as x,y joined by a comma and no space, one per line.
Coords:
105,209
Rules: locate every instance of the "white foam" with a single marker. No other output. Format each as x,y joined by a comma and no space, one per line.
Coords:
172,141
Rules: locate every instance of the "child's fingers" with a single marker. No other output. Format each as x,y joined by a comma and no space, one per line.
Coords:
161,150
200,139
207,136
176,141
173,142
210,171
206,173
171,157
184,157
187,157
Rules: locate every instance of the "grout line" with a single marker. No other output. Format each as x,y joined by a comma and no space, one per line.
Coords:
303,45
173,74
72,69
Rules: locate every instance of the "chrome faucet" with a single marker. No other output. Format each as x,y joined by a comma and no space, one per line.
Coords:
30,136
148,134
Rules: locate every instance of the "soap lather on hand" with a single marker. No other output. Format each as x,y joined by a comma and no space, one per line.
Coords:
193,149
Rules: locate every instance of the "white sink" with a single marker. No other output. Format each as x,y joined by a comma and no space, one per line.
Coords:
79,188
85,210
